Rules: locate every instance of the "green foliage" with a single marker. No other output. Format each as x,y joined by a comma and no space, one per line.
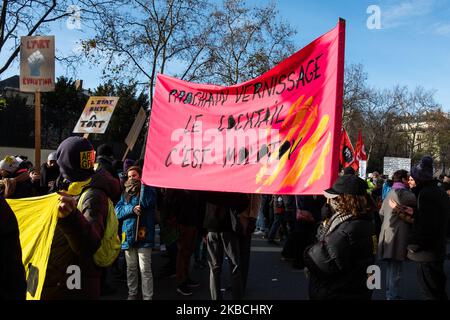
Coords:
130,101
16,122
60,112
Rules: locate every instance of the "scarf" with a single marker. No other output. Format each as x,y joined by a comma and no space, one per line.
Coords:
132,189
398,185
331,224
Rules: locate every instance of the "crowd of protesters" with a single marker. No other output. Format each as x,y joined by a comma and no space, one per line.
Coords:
333,237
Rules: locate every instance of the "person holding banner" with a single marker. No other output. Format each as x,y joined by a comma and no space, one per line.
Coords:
81,223
136,210
222,222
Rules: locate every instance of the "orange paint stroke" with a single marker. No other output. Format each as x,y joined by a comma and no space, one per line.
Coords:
299,116
291,115
304,130
306,153
319,170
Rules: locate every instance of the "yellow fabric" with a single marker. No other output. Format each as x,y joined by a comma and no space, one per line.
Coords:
110,245
75,188
37,219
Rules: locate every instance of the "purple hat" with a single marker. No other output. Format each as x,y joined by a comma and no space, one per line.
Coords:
126,164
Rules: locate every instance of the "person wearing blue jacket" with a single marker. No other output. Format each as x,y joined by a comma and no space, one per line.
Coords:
136,210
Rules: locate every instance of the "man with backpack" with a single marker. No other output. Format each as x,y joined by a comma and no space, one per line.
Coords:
83,235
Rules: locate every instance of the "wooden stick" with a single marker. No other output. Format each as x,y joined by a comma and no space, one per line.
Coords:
37,132
125,154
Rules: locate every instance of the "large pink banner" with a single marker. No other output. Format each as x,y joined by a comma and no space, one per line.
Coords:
276,134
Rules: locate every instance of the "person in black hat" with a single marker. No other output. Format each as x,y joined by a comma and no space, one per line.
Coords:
337,263
427,241
49,173
78,233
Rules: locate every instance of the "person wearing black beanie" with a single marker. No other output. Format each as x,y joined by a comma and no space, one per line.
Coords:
79,232
75,158
427,241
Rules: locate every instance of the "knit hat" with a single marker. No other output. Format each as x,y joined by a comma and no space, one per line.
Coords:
10,164
424,170
51,156
126,164
76,157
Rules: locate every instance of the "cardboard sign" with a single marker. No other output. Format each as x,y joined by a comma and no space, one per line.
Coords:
96,115
135,129
392,164
37,64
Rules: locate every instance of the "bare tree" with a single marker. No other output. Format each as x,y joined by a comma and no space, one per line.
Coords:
136,39
416,110
246,42
187,39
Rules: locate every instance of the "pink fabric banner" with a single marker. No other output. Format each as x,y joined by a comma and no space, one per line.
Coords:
276,134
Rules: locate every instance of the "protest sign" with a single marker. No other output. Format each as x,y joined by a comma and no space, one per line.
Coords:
96,115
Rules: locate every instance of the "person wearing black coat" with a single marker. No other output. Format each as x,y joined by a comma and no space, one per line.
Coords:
427,239
78,233
12,273
222,223
337,264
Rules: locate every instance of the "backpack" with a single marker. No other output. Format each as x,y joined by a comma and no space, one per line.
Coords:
110,244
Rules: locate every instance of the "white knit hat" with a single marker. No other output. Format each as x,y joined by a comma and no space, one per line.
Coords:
9,164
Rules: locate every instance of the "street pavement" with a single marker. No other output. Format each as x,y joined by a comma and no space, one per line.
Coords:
270,278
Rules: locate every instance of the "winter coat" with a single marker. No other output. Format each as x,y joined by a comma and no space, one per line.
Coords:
124,211
48,177
12,273
430,220
393,238
218,205
77,237
184,204
338,264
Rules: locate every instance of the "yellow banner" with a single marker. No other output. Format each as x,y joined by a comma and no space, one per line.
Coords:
37,219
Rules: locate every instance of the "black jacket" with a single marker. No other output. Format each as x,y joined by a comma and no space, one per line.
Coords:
218,206
431,219
48,174
184,205
12,273
77,237
338,264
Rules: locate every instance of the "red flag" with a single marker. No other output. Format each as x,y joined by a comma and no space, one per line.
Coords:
347,155
360,149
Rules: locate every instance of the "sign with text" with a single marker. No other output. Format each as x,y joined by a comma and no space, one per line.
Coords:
362,170
276,134
96,115
392,164
132,136
37,64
